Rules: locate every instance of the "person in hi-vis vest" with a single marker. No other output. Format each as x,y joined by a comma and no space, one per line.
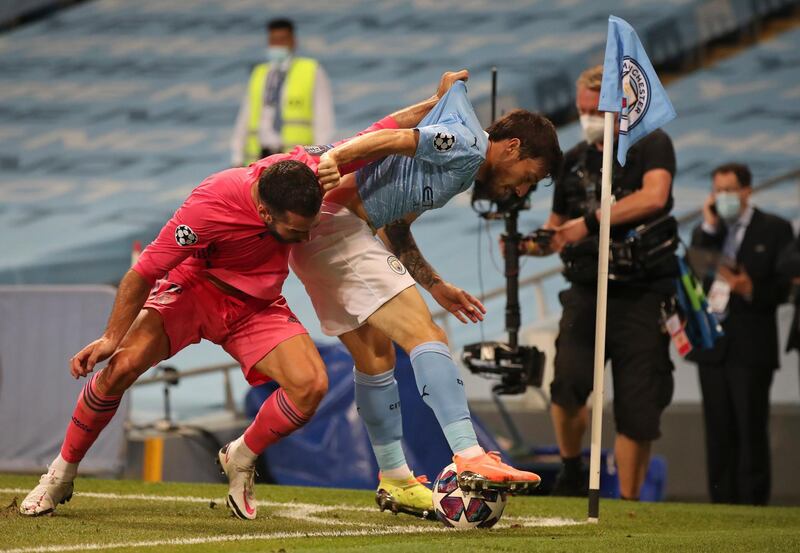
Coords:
288,101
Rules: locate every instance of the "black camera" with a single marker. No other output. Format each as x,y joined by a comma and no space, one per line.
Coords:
517,368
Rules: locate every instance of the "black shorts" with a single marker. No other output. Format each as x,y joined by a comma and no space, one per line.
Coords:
636,345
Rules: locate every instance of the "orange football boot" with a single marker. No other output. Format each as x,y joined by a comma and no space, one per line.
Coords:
487,471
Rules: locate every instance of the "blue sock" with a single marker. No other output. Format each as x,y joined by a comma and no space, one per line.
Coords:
378,402
442,390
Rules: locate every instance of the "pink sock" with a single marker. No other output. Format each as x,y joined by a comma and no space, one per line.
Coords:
91,415
277,418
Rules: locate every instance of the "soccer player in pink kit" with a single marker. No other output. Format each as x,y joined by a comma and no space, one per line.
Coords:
215,271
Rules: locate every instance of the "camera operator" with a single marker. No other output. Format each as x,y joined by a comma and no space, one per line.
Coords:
635,342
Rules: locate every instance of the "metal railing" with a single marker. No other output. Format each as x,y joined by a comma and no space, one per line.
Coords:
443,317
538,279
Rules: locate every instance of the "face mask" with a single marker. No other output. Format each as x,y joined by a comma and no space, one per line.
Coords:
593,126
728,205
277,54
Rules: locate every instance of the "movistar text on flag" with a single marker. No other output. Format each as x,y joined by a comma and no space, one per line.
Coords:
631,87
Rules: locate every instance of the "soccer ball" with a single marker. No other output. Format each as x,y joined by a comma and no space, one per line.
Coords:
459,509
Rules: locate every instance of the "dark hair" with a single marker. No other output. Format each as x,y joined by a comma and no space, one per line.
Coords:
742,172
537,136
290,186
280,23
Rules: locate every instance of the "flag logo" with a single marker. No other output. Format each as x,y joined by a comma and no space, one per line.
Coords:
636,94
631,87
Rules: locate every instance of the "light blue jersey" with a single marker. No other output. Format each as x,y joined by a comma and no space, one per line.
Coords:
452,146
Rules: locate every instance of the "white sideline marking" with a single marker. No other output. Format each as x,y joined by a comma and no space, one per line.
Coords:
300,511
228,538
193,499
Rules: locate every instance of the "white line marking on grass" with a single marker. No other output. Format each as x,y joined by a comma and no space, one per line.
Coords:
194,499
228,538
294,510
302,509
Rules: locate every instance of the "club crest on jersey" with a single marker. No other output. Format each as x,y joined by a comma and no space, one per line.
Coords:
318,149
185,236
444,141
636,88
396,265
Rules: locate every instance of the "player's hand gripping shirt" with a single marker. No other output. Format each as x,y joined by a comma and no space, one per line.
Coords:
218,231
452,146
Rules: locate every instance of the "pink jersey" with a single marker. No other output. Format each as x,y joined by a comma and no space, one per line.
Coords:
218,231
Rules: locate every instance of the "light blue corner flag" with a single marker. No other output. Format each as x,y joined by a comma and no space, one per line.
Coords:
631,87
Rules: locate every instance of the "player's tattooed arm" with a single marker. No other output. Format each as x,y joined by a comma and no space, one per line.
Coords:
398,238
400,241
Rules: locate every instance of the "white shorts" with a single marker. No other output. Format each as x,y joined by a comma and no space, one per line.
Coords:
347,271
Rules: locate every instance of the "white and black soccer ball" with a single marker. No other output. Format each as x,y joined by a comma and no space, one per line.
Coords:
185,236
459,509
443,141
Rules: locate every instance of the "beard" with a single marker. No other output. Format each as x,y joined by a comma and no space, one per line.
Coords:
488,188
276,235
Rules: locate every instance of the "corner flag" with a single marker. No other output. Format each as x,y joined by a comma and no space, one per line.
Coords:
631,87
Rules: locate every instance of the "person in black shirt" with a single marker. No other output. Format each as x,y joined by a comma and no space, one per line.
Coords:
635,342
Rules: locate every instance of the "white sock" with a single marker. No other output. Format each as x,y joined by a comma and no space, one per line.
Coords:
400,473
241,453
470,452
62,469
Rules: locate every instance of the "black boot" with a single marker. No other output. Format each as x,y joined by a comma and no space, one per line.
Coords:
572,479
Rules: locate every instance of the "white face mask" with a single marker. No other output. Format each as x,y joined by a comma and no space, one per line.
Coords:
592,126
277,54
728,205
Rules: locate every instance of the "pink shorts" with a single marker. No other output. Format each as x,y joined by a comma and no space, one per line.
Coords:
248,328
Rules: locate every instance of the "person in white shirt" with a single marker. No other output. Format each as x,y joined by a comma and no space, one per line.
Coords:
288,101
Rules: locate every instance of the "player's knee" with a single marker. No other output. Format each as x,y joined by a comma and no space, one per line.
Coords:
120,373
423,333
436,333
380,363
308,397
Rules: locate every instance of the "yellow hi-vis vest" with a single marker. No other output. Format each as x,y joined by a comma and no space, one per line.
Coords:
297,109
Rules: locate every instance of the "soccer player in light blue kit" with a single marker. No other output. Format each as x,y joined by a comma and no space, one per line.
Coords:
363,288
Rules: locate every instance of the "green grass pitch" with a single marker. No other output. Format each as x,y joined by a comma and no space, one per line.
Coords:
112,515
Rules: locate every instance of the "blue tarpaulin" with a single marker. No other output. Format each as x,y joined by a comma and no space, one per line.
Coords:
334,450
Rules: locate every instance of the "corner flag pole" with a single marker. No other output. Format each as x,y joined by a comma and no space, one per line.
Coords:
600,322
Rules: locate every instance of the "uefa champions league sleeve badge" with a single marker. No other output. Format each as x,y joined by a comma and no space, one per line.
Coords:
444,141
185,236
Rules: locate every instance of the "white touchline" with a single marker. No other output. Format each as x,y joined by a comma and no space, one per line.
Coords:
299,511
297,506
228,538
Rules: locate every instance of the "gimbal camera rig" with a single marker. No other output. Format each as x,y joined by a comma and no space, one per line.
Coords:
516,366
